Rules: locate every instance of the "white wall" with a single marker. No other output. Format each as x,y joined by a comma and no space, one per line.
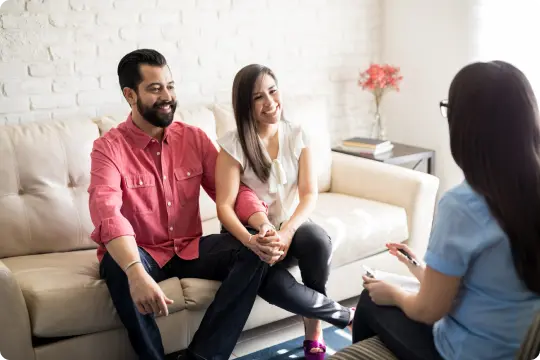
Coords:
515,41
430,41
58,58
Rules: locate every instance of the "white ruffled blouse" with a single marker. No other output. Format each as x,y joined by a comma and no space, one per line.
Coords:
280,192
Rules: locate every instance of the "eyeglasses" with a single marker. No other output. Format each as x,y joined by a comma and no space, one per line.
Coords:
444,108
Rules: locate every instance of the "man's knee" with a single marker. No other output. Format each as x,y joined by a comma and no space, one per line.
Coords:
247,255
109,267
241,252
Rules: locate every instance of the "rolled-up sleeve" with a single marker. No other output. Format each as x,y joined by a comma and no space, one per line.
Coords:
247,204
105,200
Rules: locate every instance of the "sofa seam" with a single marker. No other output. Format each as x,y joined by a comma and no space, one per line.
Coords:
72,191
19,187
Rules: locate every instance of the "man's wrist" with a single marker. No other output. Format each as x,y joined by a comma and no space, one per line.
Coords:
134,270
268,223
257,219
130,264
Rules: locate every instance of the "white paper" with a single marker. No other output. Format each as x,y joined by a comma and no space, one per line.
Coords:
407,283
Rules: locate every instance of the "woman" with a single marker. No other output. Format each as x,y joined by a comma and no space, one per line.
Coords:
272,157
479,289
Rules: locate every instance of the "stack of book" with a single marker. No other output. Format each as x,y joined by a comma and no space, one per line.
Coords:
367,145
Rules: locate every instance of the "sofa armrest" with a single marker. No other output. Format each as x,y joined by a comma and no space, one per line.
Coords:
16,339
412,190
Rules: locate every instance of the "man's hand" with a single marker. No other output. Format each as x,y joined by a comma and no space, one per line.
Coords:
266,229
146,293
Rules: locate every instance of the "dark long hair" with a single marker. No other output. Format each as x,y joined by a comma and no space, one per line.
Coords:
242,99
495,139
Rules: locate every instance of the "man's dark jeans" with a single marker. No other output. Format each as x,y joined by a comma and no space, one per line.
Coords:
222,258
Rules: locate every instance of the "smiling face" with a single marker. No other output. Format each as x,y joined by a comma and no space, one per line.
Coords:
155,98
266,100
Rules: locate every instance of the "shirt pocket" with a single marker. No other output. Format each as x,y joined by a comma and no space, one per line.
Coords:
141,193
188,182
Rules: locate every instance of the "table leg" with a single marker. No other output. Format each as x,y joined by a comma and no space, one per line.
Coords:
431,165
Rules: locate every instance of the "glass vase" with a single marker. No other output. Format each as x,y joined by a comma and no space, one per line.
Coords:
378,130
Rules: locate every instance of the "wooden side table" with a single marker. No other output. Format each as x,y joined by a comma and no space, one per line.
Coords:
399,155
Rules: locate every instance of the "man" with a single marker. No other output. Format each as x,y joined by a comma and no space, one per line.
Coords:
144,203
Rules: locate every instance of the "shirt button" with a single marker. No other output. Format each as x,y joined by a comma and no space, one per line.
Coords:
169,203
158,153
164,177
171,228
141,182
188,173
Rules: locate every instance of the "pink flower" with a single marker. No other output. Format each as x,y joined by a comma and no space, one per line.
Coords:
380,78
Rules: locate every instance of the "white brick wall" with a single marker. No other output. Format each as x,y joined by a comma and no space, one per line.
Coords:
58,58
27,87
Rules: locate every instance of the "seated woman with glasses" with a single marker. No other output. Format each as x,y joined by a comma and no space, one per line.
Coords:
479,287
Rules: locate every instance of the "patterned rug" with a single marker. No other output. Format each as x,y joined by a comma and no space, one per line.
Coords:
336,339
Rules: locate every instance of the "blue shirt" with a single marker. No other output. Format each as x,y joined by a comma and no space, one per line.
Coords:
493,309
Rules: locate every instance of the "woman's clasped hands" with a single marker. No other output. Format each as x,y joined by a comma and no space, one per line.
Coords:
269,244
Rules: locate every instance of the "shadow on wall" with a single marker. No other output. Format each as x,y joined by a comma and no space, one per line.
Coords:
430,44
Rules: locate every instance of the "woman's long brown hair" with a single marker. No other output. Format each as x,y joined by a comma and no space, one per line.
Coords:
495,139
242,99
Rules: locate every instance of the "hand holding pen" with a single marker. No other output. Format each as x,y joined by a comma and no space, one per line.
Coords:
404,254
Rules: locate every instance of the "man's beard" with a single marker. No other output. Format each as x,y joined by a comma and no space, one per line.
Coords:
153,116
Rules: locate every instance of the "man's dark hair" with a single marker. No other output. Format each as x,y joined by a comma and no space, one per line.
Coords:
129,74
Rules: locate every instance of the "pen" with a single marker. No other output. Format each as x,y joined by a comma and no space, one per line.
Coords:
414,262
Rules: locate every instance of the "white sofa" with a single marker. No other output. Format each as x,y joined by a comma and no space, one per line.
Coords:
55,307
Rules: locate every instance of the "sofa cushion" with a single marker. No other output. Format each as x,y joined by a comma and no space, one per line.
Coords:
199,293
212,226
224,116
106,123
66,297
199,116
45,172
312,113
359,228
